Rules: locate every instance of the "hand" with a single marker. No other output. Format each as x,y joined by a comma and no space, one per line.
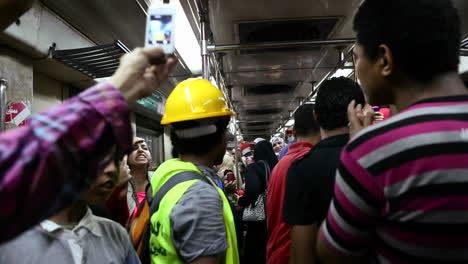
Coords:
124,170
236,198
140,74
358,119
230,185
378,116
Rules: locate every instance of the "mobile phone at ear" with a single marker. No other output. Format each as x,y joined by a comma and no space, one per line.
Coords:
160,27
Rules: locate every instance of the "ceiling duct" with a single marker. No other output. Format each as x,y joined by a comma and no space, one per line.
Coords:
257,130
256,123
268,111
266,89
284,31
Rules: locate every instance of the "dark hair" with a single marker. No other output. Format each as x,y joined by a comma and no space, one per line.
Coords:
304,121
333,99
264,151
199,145
423,35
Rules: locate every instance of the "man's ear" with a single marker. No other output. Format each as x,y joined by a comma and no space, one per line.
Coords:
385,61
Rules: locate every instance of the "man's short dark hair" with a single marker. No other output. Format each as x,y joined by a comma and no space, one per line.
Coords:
199,145
423,35
333,99
304,121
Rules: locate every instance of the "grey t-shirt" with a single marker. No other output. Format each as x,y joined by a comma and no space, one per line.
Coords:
101,241
197,220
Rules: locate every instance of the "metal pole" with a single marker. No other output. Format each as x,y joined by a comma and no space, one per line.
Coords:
236,156
204,51
280,45
3,102
341,62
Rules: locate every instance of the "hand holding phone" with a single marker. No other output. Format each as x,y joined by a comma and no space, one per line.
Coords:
160,27
358,119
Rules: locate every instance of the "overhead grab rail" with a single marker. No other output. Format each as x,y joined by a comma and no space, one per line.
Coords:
280,45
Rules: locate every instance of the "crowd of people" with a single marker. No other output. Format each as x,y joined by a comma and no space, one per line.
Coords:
353,184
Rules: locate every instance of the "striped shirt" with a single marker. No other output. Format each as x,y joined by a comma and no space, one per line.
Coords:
47,163
401,190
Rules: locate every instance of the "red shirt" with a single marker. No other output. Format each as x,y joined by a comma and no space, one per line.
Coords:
279,232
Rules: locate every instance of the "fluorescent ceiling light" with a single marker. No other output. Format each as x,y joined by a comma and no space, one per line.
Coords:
343,73
213,82
105,79
185,41
463,66
290,123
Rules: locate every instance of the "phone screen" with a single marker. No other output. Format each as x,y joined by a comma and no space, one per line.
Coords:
160,29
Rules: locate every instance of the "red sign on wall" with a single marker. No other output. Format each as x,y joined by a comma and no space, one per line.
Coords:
16,113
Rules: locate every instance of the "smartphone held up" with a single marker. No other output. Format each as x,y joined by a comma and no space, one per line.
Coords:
160,26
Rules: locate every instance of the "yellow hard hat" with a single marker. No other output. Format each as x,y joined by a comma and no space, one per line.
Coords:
195,99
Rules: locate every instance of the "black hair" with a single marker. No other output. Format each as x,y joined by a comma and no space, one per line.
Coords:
304,121
423,35
332,102
117,160
264,151
199,145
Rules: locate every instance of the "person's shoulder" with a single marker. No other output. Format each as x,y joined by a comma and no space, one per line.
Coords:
254,166
306,159
26,247
396,126
109,227
200,195
21,240
202,192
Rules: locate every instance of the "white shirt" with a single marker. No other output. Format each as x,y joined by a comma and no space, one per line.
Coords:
75,236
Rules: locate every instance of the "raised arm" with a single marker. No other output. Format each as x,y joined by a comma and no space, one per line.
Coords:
44,165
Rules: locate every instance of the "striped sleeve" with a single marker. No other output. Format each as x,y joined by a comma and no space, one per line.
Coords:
47,163
354,209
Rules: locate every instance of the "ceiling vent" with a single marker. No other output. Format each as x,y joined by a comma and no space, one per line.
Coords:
266,89
267,111
258,124
284,31
96,62
257,130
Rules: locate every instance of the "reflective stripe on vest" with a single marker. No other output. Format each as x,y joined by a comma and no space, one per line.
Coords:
161,247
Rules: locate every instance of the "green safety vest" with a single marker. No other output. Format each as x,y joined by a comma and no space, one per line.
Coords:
161,248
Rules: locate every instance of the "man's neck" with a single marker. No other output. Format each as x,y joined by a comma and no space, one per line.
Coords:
334,132
201,160
410,93
309,139
71,214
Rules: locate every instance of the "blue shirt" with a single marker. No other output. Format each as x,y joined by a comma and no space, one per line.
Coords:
284,151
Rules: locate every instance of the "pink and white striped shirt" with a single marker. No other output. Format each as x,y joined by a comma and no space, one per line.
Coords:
401,190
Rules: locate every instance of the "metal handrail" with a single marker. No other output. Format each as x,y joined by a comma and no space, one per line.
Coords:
3,102
280,45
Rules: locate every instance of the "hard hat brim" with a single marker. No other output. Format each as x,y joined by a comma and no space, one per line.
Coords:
166,121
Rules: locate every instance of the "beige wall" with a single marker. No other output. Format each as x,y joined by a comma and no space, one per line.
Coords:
47,92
